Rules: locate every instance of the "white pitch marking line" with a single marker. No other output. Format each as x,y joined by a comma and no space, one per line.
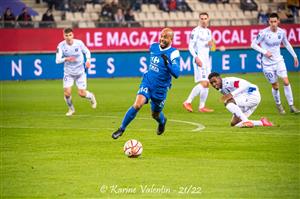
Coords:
199,126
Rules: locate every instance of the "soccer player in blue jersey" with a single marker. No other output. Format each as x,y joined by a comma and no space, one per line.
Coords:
164,63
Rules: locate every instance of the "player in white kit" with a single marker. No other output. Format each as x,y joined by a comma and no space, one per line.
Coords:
70,52
272,61
240,97
199,46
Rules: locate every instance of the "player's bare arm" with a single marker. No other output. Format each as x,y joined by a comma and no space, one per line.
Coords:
296,62
226,97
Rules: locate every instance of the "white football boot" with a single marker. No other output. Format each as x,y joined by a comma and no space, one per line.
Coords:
70,112
94,102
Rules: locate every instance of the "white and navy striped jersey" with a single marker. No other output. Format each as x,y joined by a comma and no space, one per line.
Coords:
271,41
198,44
77,49
236,86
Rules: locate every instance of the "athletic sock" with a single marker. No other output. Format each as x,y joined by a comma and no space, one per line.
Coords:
289,94
256,122
89,95
203,97
276,95
68,100
161,118
195,92
129,116
234,109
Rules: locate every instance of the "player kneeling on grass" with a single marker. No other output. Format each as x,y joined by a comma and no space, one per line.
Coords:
70,52
164,63
241,98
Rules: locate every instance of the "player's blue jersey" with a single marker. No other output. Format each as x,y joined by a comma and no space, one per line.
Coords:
159,75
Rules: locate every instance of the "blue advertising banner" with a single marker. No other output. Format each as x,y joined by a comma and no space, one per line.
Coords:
129,64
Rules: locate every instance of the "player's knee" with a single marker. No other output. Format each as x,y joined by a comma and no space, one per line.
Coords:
275,85
137,106
67,93
81,93
155,115
229,101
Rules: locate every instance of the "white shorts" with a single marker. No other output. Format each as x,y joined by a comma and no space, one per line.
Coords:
201,73
248,101
272,72
80,80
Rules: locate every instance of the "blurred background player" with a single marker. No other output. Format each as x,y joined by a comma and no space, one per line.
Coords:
70,51
199,46
240,97
272,61
164,63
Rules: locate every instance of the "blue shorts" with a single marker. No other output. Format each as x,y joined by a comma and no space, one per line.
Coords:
157,97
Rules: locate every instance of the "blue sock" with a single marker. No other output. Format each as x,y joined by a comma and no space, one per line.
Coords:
129,116
161,118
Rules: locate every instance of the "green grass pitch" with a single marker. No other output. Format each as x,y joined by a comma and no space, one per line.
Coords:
45,154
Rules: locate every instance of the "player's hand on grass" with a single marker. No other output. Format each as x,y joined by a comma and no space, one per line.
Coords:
165,58
70,59
198,61
226,97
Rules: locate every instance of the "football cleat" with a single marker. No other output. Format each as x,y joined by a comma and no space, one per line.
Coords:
247,124
187,106
70,112
266,122
118,133
280,109
161,128
206,110
294,109
94,102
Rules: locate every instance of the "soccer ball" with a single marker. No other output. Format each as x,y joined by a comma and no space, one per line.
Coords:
133,148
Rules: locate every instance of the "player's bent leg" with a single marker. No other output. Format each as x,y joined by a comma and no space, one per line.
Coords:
68,99
89,96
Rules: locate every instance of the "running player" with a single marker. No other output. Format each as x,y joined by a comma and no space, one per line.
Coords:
164,63
70,52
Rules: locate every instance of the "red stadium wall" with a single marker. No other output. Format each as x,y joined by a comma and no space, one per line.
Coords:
127,39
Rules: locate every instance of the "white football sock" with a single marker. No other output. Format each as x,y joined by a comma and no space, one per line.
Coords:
256,122
69,102
234,109
289,94
276,95
196,91
89,95
203,97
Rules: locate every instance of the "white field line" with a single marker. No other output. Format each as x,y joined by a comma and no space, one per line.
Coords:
198,126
